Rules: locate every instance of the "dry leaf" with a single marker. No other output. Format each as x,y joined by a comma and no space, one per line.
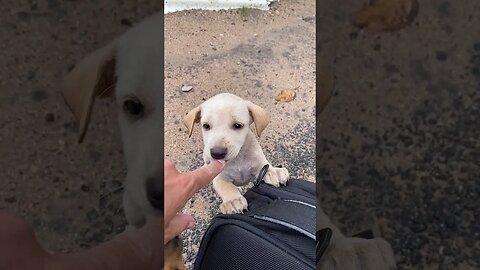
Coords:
386,15
286,95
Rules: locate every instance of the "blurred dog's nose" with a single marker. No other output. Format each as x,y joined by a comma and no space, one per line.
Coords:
218,152
154,186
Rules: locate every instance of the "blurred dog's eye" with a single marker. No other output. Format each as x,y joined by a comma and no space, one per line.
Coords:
206,126
237,126
133,107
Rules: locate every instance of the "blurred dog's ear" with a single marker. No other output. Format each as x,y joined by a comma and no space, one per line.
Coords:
191,118
260,117
93,76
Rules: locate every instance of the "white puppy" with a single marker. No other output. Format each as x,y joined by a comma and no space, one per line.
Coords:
225,120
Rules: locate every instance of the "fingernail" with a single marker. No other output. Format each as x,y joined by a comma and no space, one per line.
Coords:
221,161
190,224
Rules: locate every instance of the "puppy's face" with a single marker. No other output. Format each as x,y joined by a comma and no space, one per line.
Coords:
225,122
139,95
130,68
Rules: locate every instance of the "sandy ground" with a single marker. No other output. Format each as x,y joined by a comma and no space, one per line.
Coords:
71,193
400,138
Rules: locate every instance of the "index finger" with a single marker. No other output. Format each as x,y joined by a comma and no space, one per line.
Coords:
202,176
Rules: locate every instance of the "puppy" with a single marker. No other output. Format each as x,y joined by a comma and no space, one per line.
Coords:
128,69
225,120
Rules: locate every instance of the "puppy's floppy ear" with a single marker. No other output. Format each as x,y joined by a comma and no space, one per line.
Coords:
260,117
93,76
191,118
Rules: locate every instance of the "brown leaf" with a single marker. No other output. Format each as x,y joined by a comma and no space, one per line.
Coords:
286,95
386,15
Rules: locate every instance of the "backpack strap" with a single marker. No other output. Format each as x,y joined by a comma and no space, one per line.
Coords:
293,214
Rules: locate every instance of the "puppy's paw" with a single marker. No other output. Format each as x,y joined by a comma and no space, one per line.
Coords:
234,206
359,254
276,176
173,255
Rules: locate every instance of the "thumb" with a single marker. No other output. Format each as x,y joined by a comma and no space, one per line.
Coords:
177,225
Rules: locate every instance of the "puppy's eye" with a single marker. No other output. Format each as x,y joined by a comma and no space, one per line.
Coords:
237,126
206,126
133,107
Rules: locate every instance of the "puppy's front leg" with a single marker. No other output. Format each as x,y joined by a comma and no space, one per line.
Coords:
276,176
233,201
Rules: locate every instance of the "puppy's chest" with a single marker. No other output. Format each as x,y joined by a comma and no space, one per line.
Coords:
240,173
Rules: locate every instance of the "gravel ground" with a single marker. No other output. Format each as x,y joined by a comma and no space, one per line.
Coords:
400,137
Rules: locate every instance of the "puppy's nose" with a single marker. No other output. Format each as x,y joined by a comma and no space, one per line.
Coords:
154,186
218,152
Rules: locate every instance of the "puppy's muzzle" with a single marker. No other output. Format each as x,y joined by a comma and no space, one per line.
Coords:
218,152
154,186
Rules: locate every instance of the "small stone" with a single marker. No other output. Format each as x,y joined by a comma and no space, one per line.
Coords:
11,199
310,19
418,227
441,56
39,95
187,88
49,117
85,188
126,22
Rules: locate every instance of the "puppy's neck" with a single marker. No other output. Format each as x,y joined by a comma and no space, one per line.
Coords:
246,165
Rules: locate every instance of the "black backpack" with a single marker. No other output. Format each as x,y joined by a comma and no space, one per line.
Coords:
277,232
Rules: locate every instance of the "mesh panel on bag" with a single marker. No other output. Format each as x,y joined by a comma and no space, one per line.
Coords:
230,249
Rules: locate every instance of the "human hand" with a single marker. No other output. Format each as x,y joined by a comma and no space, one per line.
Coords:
178,189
